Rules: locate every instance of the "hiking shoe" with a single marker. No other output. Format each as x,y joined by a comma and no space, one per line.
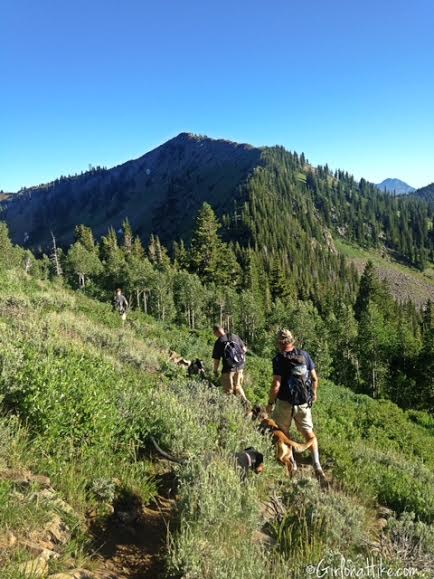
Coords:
321,478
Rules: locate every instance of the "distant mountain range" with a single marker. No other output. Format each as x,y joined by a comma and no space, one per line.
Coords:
395,186
266,198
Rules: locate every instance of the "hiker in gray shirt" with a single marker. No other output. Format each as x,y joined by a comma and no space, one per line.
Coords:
120,304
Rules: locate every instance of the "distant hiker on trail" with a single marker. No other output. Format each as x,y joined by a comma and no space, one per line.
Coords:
120,304
231,350
293,391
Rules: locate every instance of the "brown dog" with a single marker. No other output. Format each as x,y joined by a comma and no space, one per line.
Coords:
284,445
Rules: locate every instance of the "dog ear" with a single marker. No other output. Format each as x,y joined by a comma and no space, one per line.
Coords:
259,462
256,412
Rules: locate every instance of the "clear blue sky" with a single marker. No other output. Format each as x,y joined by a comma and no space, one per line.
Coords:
350,83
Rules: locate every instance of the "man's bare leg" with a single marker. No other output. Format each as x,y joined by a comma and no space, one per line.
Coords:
314,451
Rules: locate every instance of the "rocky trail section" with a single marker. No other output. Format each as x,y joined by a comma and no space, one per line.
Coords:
128,544
133,543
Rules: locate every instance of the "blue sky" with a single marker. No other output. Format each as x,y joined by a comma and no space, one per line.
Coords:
350,83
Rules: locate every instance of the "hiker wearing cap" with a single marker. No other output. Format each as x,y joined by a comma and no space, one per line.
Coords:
232,351
120,304
293,391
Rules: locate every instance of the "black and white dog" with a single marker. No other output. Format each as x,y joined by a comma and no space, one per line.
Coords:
250,459
197,368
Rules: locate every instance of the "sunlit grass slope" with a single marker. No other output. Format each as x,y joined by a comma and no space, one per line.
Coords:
81,396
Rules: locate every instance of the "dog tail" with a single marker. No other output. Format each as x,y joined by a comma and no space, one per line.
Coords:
296,446
166,455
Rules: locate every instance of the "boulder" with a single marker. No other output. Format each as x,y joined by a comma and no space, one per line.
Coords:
24,477
36,546
37,568
57,530
73,574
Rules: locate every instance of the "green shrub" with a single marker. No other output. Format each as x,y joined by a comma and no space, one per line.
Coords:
218,517
318,522
408,542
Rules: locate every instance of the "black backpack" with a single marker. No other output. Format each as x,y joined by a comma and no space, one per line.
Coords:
233,354
299,382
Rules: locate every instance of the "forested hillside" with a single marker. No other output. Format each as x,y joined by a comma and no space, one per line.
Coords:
160,193
81,395
426,193
267,198
360,335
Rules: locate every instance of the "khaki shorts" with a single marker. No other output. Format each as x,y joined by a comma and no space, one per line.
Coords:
232,381
284,412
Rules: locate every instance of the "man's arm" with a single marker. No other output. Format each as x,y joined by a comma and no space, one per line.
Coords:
274,391
216,356
315,384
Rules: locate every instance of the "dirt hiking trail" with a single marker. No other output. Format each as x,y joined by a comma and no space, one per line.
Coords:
132,544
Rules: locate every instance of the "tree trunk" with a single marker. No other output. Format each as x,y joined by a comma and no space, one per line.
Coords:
27,265
55,257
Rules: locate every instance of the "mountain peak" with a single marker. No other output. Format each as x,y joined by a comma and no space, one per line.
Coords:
393,185
195,138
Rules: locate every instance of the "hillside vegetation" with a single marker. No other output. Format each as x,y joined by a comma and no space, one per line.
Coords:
81,396
406,284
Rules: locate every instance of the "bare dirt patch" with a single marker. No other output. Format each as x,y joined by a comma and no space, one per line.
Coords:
132,543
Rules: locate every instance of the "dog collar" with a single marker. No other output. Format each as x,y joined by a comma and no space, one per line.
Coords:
249,460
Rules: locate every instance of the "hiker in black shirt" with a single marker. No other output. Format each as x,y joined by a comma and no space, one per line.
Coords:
231,350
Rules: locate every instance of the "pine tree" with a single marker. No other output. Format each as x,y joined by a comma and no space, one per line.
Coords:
369,290
157,253
113,260
84,235
8,254
137,249
207,251
109,244
342,328
180,255
127,234
375,343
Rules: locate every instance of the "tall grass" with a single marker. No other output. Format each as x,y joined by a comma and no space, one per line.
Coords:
82,396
